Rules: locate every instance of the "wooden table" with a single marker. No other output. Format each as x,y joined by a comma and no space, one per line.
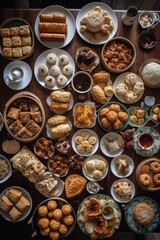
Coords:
22,230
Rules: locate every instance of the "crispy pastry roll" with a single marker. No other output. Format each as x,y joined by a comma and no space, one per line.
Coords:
60,106
61,96
52,36
57,119
60,130
101,77
59,18
47,27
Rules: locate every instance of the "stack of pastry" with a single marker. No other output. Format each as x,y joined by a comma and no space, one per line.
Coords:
53,27
14,203
16,41
60,100
58,126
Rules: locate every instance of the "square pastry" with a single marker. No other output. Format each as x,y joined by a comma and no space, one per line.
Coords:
17,52
16,126
5,32
26,50
24,117
15,31
16,41
6,42
37,116
24,133
13,113
24,30
26,41
33,127
7,52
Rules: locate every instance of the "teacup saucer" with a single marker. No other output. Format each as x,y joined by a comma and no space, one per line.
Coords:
25,79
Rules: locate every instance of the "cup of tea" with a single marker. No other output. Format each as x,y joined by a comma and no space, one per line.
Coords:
82,82
129,17
147,19
147,39
146,140
15,75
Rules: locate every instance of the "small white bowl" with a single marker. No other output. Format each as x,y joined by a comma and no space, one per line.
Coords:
9,174
147,18
116,197
114,168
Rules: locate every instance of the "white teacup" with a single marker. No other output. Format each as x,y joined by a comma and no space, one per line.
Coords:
15,75
147,19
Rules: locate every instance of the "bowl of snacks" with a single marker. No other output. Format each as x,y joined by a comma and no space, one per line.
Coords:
113,117
44,148
138,117
112,60
6,169
155,113
58,165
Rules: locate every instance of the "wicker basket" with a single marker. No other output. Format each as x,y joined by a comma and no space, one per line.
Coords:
27,95
14,22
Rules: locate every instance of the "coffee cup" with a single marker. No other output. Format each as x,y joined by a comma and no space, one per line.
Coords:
146,140
147,19
15,75
130,15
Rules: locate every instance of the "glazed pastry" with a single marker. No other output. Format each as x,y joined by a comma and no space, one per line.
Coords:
60,130
98,94
57,119
52,36
59,18
60,96
59,106
47,27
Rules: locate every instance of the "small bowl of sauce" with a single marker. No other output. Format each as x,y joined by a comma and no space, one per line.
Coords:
108,212
93,187
82,82
147,39
146,140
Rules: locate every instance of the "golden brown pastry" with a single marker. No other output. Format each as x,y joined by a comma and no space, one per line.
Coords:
17,52
48,27
43,223
143,209
24,30
111,116
60,130
68,220
108,90
58,18
6,42
5,204
66,209
15,31
101,77
14,214
22,204
60,96
59,106
57,214
7,52
54,224
122,116
5,32
63,229
52,36
98,94
57,119
52,205
74,185
14,195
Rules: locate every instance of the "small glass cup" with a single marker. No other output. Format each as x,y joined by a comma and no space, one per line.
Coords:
93,187
130,15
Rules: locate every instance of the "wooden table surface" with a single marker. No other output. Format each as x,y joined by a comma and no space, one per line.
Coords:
23,229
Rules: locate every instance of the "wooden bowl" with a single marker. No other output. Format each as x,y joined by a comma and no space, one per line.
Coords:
138,172
8,121
107,61
17,22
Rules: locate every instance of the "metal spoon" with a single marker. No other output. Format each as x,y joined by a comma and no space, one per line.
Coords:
152,44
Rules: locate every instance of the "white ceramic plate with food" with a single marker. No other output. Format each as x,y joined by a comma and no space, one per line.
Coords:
129,166
25,194
27,75
87,8
120,80
86,136
128,193
71,103
42,59
115,147
56,9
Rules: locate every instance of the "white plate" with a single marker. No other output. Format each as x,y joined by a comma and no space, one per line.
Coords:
57,191
89,173
42,60
71,103
10,169
25,79
116,197
110,136
26,213
114,168
119,80
91,133
90,7
56,9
